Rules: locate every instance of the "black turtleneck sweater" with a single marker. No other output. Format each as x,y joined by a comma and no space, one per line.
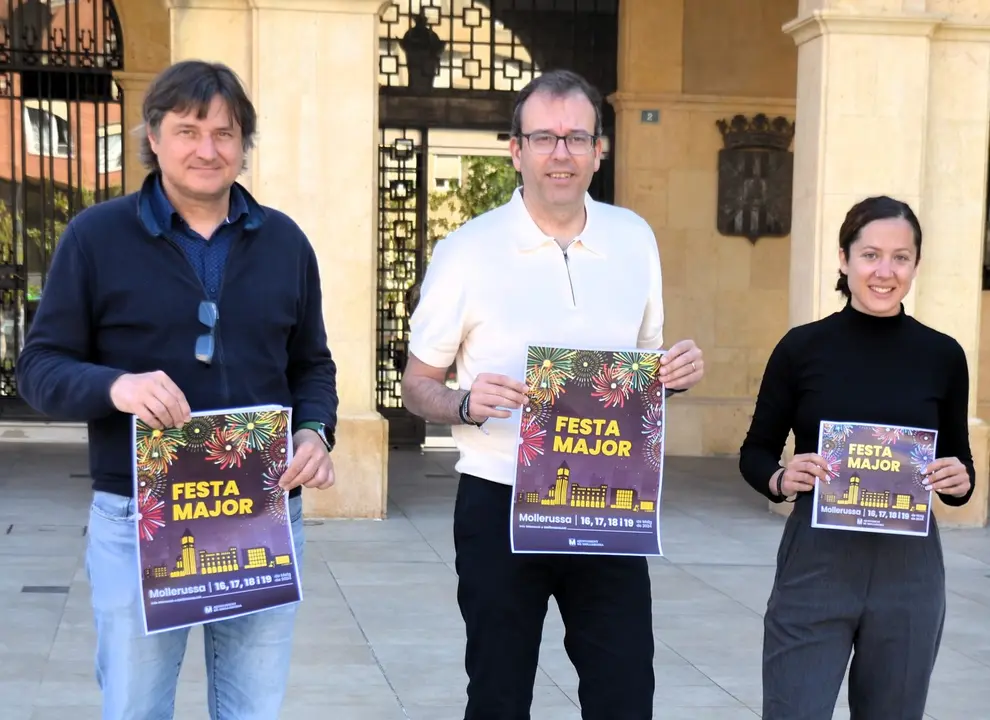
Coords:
859,368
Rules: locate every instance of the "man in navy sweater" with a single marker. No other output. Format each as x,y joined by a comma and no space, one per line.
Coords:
187,295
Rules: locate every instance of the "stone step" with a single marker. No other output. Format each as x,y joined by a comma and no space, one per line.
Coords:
40,431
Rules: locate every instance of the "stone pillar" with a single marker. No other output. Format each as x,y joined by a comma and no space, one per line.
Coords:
134,85
888,101
648,66
950,281
146,53
316,160
216,31
725,293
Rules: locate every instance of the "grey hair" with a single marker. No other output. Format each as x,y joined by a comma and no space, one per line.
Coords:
557,83
192,85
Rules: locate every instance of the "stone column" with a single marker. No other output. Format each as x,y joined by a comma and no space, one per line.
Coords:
134,85
216,31
316,160
146,53
726,293
950,281
888,102
648,65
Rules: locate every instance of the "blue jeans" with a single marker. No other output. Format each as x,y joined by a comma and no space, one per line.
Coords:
247,658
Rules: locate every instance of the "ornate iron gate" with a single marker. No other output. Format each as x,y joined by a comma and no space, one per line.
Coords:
401,250
61,147
458,64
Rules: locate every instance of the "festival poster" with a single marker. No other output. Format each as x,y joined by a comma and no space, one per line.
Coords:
589,462
875,478
214,537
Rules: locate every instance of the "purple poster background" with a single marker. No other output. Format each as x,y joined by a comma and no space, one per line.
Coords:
567,497
875,478
213,537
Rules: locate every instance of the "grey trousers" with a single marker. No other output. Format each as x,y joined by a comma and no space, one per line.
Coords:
881,597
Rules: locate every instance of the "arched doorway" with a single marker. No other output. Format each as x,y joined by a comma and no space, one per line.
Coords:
449,71
61,147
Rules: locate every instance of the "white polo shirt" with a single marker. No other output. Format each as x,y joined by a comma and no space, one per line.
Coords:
498,284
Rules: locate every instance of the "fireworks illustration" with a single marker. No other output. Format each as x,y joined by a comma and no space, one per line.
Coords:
653,423
547,369
252,430
153,485
149,438
156,449
274,419
653,452
833,461
923,437
608,388
837,433
654,394
531,443
197,431
887,435
534,412
278,469
275,506
155,458
636,370
223,449
585,366
151,516
276,453
272,475
921,457
271,481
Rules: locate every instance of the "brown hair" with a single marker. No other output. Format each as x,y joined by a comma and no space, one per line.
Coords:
862,214
192,85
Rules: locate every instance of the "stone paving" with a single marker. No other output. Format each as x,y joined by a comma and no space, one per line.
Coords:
380,636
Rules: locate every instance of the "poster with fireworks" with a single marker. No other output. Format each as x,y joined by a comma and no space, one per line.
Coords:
589,463
875,478
214,539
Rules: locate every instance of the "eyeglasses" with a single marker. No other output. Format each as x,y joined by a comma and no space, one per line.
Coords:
209,314
544,143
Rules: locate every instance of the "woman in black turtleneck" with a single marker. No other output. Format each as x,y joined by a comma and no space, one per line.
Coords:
881,596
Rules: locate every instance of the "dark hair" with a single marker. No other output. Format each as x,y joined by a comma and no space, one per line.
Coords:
192,85
557,83
862,214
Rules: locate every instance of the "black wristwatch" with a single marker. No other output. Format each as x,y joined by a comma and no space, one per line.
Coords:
326,434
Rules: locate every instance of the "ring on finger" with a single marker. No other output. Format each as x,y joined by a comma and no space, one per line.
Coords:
694,368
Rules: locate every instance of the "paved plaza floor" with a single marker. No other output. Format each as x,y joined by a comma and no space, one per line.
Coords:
380,636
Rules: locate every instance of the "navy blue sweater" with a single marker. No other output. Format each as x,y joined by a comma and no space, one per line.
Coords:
122,297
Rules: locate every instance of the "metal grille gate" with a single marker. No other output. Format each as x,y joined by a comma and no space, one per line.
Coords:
61,147
401,250
458,64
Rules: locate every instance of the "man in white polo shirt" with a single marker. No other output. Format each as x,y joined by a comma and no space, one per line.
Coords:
550,267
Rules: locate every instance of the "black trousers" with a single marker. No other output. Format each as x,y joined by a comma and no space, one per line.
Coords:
605,603
881,597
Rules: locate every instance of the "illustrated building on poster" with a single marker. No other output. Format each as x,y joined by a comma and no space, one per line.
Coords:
565,493
190,562
856,496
